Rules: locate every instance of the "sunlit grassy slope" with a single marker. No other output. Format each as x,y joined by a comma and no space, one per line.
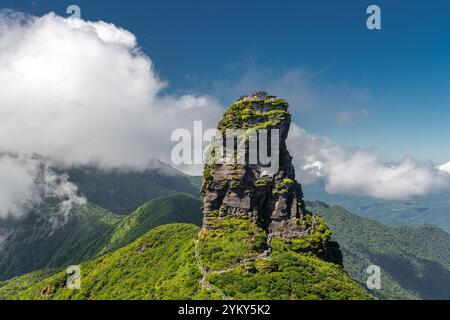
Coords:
161,265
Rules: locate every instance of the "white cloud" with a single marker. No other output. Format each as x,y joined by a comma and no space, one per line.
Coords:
16,187
445,168
79,92
354,171
26,181
82,92
361,171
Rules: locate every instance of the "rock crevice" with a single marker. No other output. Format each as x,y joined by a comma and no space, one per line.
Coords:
249,189
271,198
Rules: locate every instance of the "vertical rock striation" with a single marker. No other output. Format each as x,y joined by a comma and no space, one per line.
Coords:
271,199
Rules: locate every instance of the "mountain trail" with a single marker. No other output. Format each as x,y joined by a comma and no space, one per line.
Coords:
204,283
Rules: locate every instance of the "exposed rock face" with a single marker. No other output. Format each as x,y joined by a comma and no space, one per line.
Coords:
273,199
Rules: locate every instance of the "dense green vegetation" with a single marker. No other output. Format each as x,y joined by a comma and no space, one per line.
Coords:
241,115
288,275
314,242
34,242
161,265
89,232
11,287
178,207
414,261
229,241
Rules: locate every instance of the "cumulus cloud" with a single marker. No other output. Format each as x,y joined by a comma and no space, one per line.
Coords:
82,92
445,168
354,171
16,187
24,183
360,171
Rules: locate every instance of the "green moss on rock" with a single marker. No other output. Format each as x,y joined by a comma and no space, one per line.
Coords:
313,243
230,240
242,115
262,182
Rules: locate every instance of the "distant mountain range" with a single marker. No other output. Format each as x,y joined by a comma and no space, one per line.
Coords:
432,208
123,191
414,260
103,224
33,243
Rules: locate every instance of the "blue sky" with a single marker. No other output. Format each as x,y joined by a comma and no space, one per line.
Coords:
386,89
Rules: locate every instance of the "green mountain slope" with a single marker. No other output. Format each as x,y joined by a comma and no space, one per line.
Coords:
13,286
35,243
414,261
162,265
179,207
121,192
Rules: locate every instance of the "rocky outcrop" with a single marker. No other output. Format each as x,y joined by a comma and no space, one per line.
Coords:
272,199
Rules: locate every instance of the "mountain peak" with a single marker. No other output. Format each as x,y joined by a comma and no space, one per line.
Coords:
256,95
264,194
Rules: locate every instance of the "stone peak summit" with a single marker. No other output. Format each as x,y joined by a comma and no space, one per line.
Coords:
272,201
